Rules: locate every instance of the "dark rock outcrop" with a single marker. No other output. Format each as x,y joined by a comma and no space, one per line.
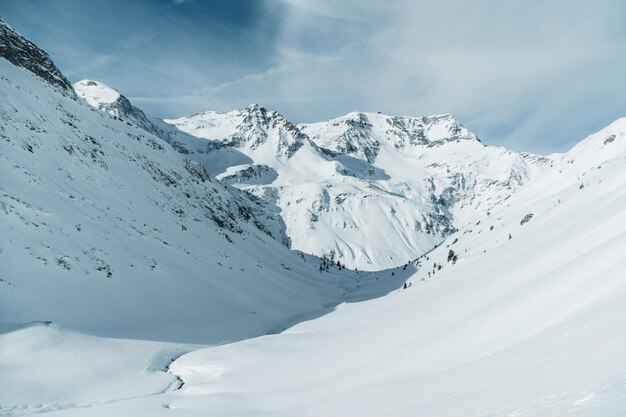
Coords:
21,52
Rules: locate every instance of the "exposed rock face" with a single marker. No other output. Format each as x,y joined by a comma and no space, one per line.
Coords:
23,53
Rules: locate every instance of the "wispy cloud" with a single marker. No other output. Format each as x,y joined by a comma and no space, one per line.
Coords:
534,76
521,74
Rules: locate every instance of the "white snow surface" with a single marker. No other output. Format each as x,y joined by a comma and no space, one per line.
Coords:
526,325
110,307
96,93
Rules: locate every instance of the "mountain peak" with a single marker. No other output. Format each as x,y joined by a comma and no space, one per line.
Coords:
254,108
255,114
361,133
431,128
96,93
99,95
250,127
21,52
107,99
354,119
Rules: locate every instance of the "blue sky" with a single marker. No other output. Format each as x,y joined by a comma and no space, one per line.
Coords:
533,76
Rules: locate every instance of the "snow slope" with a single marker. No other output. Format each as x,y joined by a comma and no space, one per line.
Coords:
410,182
107,229
46,368
526,321
109,100
520,312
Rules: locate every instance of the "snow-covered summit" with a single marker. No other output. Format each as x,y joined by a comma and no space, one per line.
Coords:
253,127
109,100
360,134
96,93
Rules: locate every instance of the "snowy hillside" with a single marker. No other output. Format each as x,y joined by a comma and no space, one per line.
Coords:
145,270
109,100
109,230
520,314
409,182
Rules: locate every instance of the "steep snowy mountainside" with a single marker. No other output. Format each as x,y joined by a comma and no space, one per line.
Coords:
573,167
471,175
604,145
520,314
112,102
109,100
410,182
107,229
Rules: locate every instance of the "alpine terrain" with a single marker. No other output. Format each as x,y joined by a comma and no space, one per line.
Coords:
238,264
370,189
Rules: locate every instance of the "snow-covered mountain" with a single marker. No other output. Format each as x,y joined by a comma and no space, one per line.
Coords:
105,98
520,314
121,251
106,228
327,187
109,100
373,190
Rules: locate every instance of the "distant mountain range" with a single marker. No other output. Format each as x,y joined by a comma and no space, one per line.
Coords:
369,190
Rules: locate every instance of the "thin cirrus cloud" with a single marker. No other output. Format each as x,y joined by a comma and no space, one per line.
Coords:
528,75
534,76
